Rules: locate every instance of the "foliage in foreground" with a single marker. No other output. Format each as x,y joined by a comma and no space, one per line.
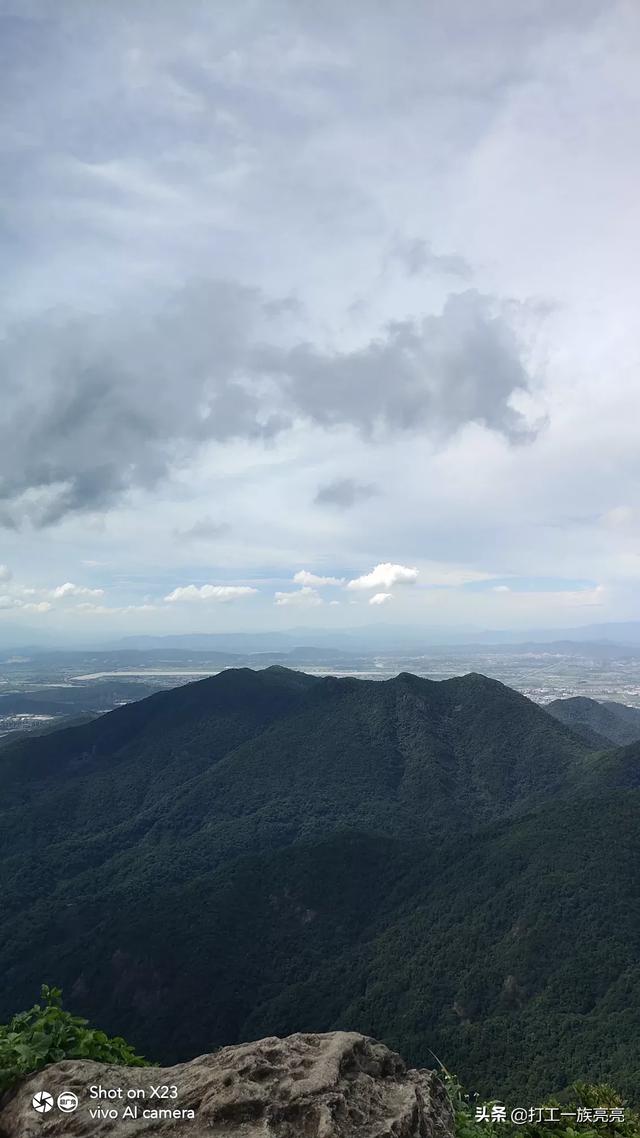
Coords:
47,1033
578,1095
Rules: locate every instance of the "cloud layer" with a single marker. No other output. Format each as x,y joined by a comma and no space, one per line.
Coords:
294,291
97,406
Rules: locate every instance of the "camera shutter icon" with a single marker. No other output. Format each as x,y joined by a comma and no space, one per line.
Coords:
42,1102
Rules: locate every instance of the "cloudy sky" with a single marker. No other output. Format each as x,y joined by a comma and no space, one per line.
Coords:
319,313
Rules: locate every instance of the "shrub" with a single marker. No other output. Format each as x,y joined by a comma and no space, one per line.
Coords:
579,1094
47,1033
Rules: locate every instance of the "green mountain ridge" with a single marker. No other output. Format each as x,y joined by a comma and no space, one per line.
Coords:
440,864
599,721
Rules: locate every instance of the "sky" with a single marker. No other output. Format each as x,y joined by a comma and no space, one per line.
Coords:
318,314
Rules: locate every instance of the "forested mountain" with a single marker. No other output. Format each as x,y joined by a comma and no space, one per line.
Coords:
598,719
442,865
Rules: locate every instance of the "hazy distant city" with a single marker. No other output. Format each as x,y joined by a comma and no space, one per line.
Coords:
42,689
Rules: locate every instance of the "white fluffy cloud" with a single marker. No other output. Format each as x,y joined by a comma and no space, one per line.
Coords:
13,602
385,576
71,590
380,599
210,593
304,577
5,573
306,597
28,598
112,610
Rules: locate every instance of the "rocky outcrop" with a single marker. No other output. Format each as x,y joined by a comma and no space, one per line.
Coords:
339,1085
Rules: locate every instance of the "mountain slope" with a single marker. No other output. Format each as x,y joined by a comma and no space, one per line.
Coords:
248,761
516,956
472,737
598,720
220,860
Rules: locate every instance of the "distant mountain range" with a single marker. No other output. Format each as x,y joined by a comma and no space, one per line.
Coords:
443,865
389,637
365,638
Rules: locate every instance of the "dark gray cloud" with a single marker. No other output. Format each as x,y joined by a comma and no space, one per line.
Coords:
205,529
96,406
434,374
344,492
416,257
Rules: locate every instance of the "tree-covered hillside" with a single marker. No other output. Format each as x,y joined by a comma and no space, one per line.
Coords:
441,865
602,721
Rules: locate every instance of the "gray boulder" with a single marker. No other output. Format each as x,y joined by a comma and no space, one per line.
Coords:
338,1085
